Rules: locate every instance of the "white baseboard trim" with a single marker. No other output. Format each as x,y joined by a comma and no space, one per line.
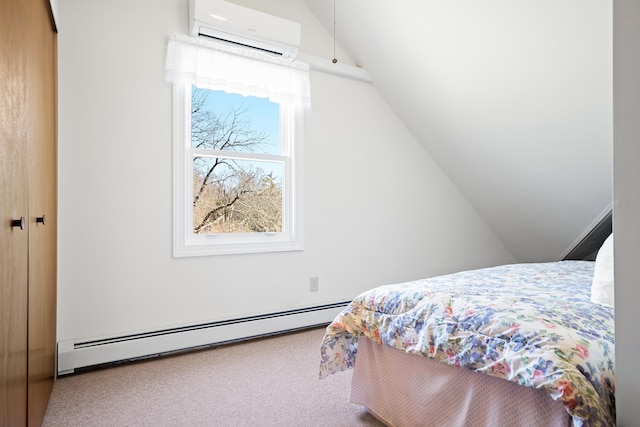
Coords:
75,354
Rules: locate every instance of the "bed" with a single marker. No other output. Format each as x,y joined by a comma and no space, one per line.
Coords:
437,351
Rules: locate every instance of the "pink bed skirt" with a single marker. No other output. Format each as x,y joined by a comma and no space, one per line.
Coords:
406,390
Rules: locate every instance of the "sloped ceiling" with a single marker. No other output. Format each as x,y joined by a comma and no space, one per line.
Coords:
512,98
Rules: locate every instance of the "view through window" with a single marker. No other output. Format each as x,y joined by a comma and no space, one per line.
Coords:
238,165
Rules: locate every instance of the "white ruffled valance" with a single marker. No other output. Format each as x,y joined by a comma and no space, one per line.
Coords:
216,66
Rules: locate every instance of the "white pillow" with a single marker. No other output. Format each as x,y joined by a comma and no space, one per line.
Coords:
602,284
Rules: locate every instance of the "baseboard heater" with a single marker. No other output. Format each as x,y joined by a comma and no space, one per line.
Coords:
76,354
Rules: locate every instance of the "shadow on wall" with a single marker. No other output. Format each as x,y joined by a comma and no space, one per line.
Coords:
587,248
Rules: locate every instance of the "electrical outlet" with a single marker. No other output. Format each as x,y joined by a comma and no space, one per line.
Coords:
313,284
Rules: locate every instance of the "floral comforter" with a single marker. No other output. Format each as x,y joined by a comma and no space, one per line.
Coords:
532,324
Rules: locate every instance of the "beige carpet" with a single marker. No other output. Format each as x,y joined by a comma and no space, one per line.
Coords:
265,382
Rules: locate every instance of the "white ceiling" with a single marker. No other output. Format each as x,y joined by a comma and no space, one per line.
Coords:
513,99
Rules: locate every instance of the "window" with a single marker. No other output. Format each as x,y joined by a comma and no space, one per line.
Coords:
237,165
237,178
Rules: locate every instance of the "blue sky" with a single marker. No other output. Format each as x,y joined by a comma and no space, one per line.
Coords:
265,115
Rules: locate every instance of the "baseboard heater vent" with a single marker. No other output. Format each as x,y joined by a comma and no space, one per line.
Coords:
74,354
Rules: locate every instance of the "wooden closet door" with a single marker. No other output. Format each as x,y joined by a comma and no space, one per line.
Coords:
42,169
13,205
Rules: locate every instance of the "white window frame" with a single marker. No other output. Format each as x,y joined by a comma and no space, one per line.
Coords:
185,242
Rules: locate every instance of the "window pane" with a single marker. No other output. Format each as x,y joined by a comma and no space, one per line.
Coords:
236,196
224,121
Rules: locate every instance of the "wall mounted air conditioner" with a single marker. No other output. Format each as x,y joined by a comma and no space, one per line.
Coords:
232,23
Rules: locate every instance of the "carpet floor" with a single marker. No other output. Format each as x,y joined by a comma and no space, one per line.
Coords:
264,382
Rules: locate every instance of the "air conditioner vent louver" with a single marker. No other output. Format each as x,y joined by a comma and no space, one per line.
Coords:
241,26
236,43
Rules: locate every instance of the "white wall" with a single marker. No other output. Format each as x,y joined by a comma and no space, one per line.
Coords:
513,99
626,211
377,208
